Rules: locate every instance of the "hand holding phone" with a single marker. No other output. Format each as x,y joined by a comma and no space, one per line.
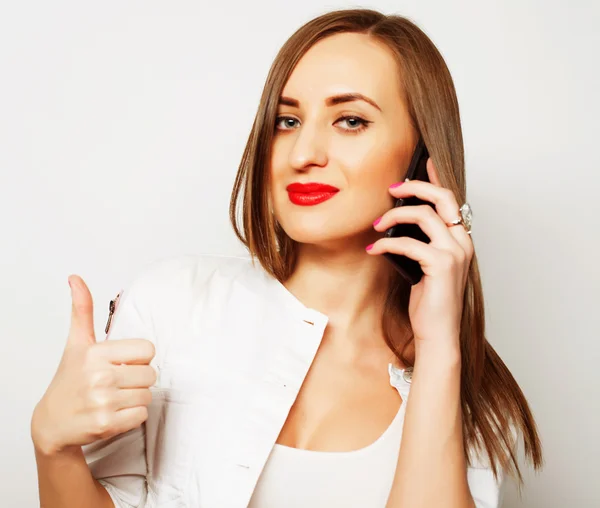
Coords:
417,170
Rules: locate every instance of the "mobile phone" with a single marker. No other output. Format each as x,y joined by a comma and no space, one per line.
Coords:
417,170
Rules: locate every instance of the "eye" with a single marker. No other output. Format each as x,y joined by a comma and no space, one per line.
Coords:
286,121
356,123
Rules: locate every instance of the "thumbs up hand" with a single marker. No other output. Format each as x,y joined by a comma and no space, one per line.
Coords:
99,389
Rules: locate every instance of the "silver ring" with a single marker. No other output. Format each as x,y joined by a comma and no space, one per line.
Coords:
466,218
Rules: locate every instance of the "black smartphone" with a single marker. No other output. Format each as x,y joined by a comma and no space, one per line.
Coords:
417,170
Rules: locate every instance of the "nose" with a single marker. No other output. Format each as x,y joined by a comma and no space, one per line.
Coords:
309,149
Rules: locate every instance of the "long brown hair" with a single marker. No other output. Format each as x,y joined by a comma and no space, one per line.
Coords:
493,405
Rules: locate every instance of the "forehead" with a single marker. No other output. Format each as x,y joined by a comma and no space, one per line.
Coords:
346,62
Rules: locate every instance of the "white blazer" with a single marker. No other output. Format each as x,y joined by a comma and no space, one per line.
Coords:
233,347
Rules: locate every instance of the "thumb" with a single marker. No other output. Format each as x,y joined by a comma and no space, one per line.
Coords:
82,313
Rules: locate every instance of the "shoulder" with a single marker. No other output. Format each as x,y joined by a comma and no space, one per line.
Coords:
478,454
168,300
173,288
177,276
192,266
172,282
168,286
486,486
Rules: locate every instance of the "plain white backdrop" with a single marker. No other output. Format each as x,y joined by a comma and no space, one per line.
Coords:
122,125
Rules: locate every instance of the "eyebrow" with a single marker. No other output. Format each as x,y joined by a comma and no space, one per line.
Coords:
334,100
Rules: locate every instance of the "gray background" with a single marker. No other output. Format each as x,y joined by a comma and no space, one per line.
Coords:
122,125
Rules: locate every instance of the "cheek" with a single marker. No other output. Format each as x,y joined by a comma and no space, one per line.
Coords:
375,157
374,172
277,168
370,180
374,200
278,194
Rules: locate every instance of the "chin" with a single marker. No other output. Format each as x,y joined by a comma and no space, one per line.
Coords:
308,229
319,229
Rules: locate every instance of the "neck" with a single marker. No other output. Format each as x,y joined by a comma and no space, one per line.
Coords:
348,286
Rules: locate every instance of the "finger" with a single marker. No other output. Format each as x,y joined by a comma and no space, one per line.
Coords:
133,398
445,204
425,254
426,218
81,331
135,376
129,418
443,199
432,173
457,231
128,351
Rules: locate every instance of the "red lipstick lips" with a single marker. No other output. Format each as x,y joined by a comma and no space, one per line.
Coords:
308,194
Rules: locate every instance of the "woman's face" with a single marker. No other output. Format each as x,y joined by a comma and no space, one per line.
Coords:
361,155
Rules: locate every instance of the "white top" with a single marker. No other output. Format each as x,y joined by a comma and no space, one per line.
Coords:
233,347
299,478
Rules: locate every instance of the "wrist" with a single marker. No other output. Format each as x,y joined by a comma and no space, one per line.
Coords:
440,353
43,442
439,373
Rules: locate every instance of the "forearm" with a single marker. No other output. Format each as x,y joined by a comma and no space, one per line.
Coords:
431,470
65,481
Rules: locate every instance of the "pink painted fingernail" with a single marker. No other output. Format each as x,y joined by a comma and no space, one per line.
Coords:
396,185
369,247
377,221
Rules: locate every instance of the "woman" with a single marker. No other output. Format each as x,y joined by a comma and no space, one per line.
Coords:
286,381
